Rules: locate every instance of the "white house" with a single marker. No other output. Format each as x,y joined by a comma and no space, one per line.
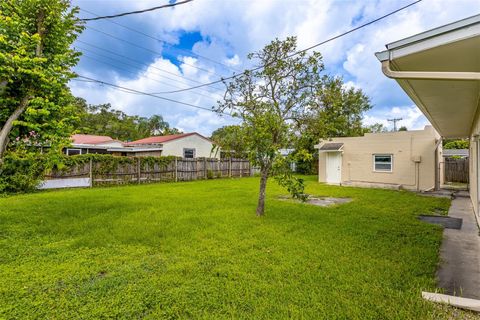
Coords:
185,145
87,143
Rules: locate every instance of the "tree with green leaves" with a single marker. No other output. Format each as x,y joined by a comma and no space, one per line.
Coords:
456,144
338,112
403,128
104,120
269,100
231,140
375,128
157,126
35,66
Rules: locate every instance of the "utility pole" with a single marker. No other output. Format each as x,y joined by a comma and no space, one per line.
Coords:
395,120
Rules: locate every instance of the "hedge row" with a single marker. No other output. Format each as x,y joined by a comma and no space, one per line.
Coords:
23,173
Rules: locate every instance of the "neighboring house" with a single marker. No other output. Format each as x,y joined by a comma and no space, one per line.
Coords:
87,143
185,145
455,153
286,153
440,71
402,159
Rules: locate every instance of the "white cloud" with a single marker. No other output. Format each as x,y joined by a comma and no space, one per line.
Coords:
231,29
202,120
411,116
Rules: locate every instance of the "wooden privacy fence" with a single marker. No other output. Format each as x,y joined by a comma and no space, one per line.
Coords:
456,170
137,171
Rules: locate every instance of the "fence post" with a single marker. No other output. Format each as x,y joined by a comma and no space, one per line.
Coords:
205,168
241,167
90,172
138,170
176,170
230,167
196,168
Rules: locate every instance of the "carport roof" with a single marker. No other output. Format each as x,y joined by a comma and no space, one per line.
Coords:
440,71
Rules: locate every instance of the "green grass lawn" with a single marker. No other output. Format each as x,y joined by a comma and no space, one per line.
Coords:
197,250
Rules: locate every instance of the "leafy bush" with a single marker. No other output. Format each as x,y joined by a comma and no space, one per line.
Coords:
24,171
21,173
307,167
457,144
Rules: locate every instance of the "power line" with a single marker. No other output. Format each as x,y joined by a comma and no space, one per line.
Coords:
129,90
136,12
254,69
161,40
143,76
144,64
90,81
150,50
298,52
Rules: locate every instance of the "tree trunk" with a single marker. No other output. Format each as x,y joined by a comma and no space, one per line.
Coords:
5,131
261,195
7,127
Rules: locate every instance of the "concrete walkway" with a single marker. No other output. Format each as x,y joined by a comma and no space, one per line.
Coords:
459,272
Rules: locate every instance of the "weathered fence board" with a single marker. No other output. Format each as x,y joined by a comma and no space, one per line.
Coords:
456,170
181,169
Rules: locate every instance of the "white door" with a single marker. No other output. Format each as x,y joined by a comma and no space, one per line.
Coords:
334,167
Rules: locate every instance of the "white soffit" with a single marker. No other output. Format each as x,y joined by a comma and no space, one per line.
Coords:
450,105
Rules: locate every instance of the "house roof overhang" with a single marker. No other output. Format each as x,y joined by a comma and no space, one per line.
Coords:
134,149
116,149
330,147
440,71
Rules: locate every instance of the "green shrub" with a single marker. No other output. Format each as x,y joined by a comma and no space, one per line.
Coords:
457,144
21,173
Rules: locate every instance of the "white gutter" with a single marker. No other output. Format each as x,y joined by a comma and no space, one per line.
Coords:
87,146
428,75
133,149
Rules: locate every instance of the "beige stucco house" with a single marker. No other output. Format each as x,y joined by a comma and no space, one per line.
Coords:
440,71
402,159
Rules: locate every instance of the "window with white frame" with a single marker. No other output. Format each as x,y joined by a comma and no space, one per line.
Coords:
73,152
189,153
383,162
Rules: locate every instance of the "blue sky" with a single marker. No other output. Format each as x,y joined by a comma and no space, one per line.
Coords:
203,40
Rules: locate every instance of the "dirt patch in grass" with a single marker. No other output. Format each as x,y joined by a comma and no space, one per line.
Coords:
320,201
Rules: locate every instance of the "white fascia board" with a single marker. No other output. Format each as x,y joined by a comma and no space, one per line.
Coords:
457,31
133,149
464,23
87,146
